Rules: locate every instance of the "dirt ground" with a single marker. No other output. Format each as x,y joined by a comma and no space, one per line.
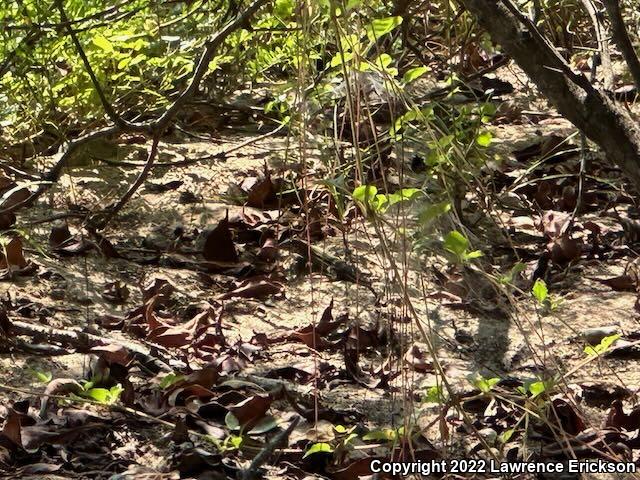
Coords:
67,291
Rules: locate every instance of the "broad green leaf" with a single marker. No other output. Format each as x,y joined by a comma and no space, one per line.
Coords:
413,74
472,255
382,26
283,8
433,211
484,139
351,4
485,385
103,395
318,448
434,394
101,42
506,435
537,388
231,421
456,243
42,377
367,197
170,379
540,291
513,273
383,61
338,58
603,346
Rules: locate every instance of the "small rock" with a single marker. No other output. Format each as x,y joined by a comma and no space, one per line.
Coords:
489,434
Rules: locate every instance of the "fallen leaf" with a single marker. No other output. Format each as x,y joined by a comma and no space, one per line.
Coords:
218,245
254,288
621,283
252,409
59,234
115,292
417,359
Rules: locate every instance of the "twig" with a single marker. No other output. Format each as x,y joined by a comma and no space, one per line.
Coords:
83,342
253,472
603,44
153,152
621,37
108,108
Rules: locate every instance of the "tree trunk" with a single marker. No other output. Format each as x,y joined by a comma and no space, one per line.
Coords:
589,109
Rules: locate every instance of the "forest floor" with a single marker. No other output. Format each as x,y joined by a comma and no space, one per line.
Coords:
159,231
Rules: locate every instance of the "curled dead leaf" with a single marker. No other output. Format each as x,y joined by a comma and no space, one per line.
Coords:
254,288
418,359
218,245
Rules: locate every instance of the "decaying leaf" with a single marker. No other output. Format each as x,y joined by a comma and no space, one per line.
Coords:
218,245
258,287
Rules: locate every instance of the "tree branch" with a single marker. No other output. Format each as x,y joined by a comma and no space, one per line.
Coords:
621,37
108,108
589,109
153,128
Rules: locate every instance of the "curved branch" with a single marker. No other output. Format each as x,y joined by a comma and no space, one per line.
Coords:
154,128
621,37
108,108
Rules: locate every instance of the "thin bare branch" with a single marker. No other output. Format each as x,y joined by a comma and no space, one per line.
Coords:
621,37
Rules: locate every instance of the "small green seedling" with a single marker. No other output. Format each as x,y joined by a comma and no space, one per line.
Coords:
318,448
603,346
541,293
434,394
42,377
485,385
457,244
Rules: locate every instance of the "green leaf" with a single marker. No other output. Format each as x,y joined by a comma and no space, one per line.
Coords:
456,243
405,194
368,198
266,424
318,448
102,43
506,435
485,385
101,395
540,291
433,211
603,346
338,58
484,139
42,377
233,442
232,422
513,273
383,61
413,74
351,4
472,255
434,395
382,26
283,8
537,388
170,379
